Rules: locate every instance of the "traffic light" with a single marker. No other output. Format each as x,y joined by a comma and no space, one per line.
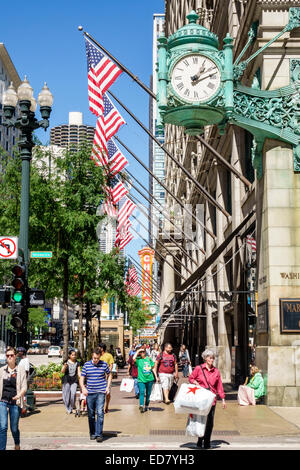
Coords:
4,296
18,296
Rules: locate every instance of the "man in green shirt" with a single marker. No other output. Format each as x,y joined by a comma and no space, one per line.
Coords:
145,367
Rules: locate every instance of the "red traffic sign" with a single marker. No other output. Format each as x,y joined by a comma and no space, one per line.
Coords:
8,247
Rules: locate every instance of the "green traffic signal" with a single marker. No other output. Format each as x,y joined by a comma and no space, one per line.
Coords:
17,296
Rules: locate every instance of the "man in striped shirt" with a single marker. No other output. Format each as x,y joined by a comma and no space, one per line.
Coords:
97,386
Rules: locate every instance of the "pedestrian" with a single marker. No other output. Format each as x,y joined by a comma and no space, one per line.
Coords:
132,350
184,359
70,380
209,377
252,390
108,358
97,386
133,372
111,350
13,387
166,367
23,360
155,352
146,374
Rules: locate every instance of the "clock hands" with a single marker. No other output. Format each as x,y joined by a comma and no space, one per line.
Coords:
198,78
201,70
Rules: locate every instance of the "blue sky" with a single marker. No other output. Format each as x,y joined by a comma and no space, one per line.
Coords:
44,43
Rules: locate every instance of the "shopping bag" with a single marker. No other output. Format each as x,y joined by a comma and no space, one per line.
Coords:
156,393
127,385
196,425
190,369
173,391
193,399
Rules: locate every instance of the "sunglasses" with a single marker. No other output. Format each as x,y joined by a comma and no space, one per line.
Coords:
10,355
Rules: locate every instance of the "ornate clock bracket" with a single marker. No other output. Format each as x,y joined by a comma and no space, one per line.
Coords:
273,114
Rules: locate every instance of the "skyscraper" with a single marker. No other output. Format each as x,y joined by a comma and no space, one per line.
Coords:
73,134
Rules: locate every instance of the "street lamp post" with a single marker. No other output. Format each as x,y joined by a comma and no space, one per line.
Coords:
27,124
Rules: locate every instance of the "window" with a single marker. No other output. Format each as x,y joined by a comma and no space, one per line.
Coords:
249,170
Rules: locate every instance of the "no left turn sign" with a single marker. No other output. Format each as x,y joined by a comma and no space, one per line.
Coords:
8,247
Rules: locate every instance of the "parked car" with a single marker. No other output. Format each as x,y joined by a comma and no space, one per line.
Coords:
54,351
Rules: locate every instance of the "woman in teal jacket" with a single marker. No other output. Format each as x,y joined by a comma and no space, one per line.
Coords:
256,382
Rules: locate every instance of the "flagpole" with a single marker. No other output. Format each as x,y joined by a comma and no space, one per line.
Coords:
156,225
125,69
205,193
141,269
161,244
160,210
166,188
147,243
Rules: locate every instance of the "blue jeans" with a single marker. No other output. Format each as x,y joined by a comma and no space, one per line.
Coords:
136,387
14,415
185,370
145,389
95,406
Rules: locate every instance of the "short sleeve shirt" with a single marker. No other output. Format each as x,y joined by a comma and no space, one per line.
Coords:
167,364
108,358
145,367
95,376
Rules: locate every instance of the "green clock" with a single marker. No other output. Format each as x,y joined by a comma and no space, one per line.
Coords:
195,78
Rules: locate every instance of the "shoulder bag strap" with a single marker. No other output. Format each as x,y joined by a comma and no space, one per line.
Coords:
205,378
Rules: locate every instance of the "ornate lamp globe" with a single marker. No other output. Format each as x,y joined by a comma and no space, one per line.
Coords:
25,91
10,97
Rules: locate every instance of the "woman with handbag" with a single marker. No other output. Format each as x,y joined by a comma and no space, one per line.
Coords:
184,359
13,387
209,377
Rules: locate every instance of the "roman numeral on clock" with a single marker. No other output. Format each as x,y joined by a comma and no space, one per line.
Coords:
178,78
186,63
211,85
195,60
180,86
187,92
196,94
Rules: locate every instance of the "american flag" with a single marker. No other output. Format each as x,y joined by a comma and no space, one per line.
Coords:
251,242
109,208
132,283
107,126
125,212
117,192
102,73
123,238
117,161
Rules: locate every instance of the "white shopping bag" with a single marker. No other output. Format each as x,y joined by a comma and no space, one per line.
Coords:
190,369
193,399
196,425
156,393
127,385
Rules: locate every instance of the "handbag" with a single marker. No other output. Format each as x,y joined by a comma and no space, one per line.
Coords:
156,393
173,391
127,385
196,425
190,369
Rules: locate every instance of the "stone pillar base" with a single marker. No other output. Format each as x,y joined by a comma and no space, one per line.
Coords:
280,366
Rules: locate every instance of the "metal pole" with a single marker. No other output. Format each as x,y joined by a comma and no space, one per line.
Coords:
147,243
166,188
160,210
161,244
185,171
125,69
171,238
224,162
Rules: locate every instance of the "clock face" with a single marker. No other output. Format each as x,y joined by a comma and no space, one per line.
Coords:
195,78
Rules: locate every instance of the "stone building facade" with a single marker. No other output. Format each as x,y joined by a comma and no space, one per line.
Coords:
231,301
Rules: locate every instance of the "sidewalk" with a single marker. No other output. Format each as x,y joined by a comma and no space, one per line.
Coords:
125,420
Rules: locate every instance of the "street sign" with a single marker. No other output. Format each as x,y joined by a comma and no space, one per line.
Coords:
36,298
41,254
8,247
